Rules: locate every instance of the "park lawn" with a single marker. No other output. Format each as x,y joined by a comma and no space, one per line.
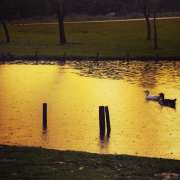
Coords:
88,39
40,164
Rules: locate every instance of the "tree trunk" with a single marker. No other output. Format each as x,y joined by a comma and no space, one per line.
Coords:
5,30
155,33
60,14
148,23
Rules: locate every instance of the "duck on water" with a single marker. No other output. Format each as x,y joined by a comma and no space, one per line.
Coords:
167,102
151,97
161,99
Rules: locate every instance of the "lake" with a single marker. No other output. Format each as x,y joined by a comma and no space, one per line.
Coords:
75,90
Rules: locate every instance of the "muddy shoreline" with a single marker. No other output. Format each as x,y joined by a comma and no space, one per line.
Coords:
10,57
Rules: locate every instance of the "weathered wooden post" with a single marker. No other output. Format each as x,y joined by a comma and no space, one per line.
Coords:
44,115
108,124
101,121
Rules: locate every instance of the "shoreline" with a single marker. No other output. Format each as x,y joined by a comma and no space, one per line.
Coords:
11,57
39,163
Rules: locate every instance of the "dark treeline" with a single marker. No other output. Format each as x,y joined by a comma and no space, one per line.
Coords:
15,9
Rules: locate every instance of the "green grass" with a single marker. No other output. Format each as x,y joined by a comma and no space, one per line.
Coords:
109,39
37,163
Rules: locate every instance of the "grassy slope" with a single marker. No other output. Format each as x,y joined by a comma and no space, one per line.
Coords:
110,39
37,163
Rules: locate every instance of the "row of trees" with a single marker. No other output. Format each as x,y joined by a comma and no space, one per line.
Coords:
24,8
150,7
30,8
14,9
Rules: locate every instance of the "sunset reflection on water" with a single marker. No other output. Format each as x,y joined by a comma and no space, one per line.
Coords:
74,91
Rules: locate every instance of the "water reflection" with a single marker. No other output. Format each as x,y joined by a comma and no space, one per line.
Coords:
75,90
141,72
104,144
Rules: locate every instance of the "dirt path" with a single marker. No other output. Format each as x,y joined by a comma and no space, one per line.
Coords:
98,21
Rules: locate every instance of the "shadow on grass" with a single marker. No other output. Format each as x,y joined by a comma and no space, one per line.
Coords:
38,163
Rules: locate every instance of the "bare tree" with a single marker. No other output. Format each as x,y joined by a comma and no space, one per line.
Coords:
146,11
6,32
155,32
148,7
59,8
4,9
155,6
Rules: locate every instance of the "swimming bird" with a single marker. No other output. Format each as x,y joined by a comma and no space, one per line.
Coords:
151,97
167,102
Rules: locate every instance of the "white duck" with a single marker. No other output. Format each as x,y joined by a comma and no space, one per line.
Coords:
151,97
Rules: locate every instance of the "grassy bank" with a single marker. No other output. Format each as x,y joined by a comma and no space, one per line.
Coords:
86,39
37,163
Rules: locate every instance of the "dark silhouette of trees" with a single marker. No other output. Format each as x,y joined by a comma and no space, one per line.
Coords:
34,8
4,12
155,39
6,32
61,14
155,8
146,11
21,9
151,7
59,8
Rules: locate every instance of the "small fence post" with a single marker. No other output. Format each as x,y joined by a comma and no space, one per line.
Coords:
108,124
44,115
101,121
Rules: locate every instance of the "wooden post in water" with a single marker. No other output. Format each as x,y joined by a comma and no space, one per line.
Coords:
101,121
108,124
44,115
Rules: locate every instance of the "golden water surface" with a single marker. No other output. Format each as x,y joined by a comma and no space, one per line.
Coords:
75,90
